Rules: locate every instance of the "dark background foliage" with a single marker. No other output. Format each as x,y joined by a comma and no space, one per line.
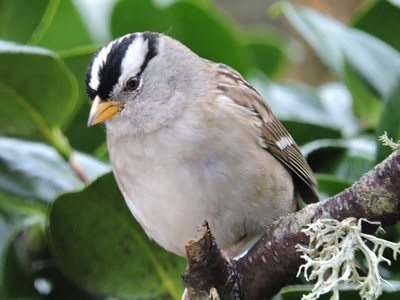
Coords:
333,81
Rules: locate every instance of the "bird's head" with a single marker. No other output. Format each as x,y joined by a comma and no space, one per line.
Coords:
142,81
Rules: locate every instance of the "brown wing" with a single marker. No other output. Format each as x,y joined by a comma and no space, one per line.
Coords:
276,138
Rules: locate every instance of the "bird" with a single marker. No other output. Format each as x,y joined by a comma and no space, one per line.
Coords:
191,140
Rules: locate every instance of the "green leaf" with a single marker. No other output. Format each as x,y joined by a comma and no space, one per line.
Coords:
14,213
379,18
28,272
304,133
390,122
223,41
268,48
303,102
55,36
97,243
336,99
395,2
304,109
42,22
12,205
24,248
375,61
329,185
27,91
6,230
35,170
185,21
36,99
347,159
19,18
137,15
366,102
369,67
82,138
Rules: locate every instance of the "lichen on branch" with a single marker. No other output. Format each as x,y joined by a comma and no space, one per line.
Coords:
330,257
386,141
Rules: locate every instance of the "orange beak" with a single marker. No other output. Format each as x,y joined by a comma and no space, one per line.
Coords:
102,110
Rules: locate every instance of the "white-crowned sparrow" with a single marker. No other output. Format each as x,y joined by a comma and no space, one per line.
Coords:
190,139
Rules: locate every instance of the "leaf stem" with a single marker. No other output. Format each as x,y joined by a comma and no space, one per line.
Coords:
75,165
80,50
44,23
53,136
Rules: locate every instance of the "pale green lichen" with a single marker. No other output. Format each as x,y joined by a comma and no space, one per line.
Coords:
386,141
213,294
330,258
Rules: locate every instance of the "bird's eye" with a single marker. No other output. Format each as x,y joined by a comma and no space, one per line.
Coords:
132,83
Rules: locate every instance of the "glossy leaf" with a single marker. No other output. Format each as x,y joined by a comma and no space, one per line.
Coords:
222,43
337,100
42,22
389,122
15,212
304,109
65,16
336,43
379,18
80,137
12,206
28,271
330,185
136,15
29,106
8,223
395,2
268,48
20,18
303,132
294,101
366,102
35,170
347,159
186,21
352,55
97,243
24,248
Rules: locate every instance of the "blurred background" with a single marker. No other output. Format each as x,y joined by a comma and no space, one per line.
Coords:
330,71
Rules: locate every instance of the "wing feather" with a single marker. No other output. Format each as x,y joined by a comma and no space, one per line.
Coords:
276,138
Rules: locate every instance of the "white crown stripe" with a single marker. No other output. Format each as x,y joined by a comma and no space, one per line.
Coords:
100,60
98,63
133,59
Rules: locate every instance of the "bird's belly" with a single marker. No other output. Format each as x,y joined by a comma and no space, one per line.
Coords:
172,182
171,199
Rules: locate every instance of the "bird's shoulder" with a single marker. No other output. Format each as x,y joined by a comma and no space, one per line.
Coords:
229,84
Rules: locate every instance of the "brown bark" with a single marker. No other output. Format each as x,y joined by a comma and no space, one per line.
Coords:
273,260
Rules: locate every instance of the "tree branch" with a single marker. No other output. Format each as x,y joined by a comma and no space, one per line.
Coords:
207,268
273,260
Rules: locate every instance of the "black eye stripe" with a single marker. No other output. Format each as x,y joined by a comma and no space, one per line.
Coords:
91,92
110,70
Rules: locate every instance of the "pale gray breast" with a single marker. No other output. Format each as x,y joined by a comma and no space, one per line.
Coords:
204,165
